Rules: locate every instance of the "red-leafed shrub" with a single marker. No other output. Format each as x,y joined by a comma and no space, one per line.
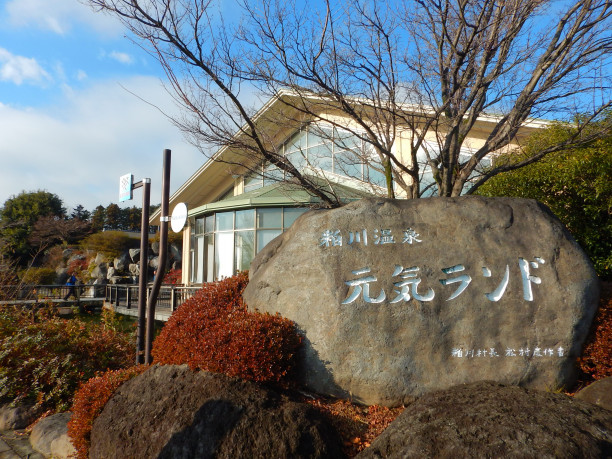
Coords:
174,277
78,265
89,402
44,358
213,331
596,360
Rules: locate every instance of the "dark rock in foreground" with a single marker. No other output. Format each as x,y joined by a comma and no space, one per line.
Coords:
487,419
599,393
172,412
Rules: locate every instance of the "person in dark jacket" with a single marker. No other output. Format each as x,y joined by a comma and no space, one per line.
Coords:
71,283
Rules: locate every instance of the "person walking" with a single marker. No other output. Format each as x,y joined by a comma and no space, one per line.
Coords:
71,283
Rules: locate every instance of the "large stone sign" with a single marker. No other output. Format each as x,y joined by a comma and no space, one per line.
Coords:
396,298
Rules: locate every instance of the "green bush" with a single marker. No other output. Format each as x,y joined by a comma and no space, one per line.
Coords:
213,331
576,185
39,276
44,358
89,401
110,243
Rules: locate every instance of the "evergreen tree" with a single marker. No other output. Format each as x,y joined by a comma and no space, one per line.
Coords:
17,219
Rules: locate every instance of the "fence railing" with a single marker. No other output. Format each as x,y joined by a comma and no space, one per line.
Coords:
120,295
30,293
170,296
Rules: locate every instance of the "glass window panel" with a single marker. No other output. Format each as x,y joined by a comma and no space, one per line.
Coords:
426,180
348,163
345,140
245,249
291,215
297,142
375,177
252,182
210,224
269,218
265,236
198,261
314,138
272,174
224,255
321,157
199,226
245,219
298,159
192,264
209,258
224,221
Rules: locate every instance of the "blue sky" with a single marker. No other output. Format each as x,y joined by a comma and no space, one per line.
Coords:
69,123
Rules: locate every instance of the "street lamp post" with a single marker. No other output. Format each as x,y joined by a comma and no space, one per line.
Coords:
126,187
163,252
146,309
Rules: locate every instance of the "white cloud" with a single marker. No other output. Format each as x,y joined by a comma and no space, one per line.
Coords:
81,75
123,58
59,16
80,149
19,69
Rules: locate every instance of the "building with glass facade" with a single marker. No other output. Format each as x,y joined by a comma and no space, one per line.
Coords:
235,208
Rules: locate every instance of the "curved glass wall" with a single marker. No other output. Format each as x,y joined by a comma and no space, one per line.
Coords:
224,243
327,149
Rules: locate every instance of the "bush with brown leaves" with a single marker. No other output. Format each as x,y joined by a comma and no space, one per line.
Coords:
213,331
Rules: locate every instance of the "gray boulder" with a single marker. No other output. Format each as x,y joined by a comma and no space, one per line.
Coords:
121,262
173,412
154,263
75,257
599,393
487,419
61,275
135,255
66,253
100,258
396,298
134,269
100,271
99,286
50,436
174,254
18,417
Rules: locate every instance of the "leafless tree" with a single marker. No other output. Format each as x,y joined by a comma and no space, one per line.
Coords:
418,73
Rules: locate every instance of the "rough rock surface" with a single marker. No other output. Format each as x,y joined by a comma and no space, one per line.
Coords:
100,271
135,255
17,417
599,393
400,297
172,412
50,436
122,261
134,269
487,419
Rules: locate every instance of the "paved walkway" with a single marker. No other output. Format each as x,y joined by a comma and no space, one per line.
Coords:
15,444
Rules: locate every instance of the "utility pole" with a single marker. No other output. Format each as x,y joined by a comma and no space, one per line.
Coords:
163,252
144,269
126,188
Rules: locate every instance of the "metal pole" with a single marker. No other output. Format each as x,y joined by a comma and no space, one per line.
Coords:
143,277
163,251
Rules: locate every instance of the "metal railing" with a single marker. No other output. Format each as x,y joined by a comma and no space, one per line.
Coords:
170,296
34,293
